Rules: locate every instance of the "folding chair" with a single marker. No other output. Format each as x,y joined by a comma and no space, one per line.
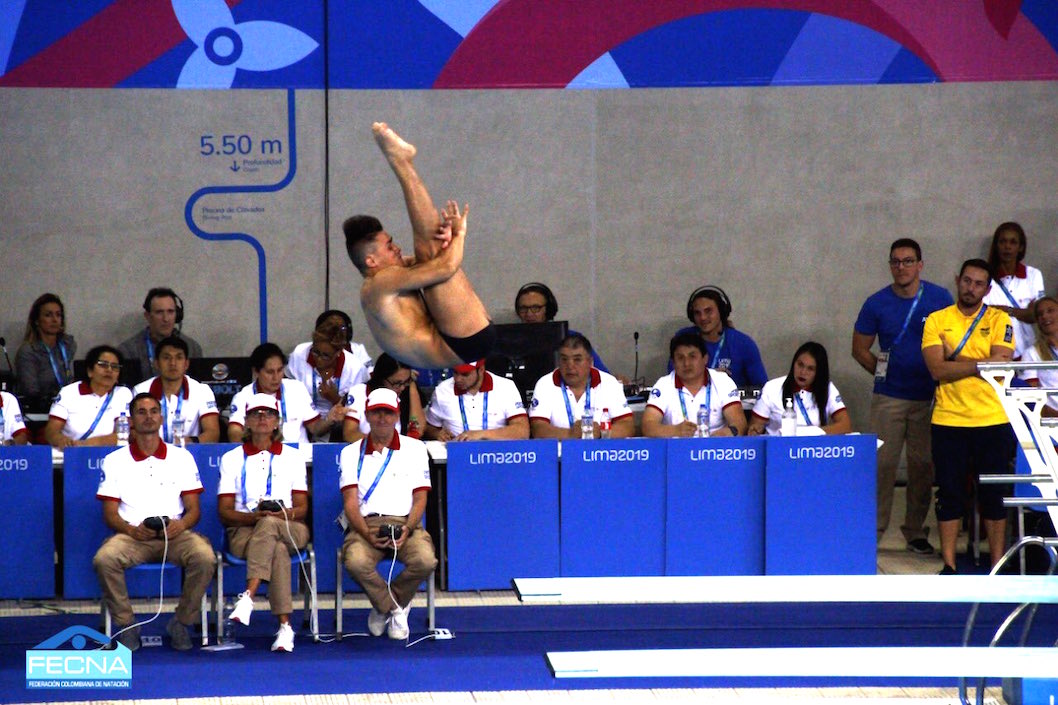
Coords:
306,556
158,568
339,592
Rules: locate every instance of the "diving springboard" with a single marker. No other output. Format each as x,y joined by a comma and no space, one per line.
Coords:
855,662
1000,589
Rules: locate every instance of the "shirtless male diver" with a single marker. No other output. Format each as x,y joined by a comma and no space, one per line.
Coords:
422,310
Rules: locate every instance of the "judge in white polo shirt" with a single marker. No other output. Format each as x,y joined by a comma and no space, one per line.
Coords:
475,405
672,410
84,412
262,499
141,484
561,397
385,478
183,398
297,415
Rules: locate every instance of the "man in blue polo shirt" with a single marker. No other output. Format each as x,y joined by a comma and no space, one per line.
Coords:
728,350
903,387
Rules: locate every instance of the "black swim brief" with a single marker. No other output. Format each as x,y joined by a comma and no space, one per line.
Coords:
473,347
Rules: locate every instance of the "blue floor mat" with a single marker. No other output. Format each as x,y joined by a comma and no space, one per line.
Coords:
502,648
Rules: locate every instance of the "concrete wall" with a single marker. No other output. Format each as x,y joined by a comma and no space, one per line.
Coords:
622,201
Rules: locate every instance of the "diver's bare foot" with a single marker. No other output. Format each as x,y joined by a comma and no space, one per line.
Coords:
391,144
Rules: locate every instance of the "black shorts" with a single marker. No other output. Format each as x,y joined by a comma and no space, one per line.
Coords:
474,347
963,452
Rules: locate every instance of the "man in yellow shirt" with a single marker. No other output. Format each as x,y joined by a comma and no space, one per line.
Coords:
970,430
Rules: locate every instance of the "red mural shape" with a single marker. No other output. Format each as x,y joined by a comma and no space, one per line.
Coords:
529,44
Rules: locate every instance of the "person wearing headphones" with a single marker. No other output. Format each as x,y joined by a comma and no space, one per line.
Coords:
163,311
536,303
729,350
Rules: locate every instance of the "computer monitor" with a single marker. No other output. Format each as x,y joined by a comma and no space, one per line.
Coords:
224,375
525,352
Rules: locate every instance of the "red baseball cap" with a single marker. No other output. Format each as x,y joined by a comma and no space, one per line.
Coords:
469,367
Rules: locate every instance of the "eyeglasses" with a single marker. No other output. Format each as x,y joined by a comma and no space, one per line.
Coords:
399,383
258,413
103,364
906,263
537,308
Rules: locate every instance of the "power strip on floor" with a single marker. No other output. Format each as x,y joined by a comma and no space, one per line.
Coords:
440,634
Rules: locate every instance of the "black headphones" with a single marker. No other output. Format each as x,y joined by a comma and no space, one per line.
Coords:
165,291
550,301
723,303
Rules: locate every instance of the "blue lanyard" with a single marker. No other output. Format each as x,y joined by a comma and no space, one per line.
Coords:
801,406
167,433
484,412
962,343
60,377
268,484
106,403
713,361
150,345
569,409
1013,301
282,401
708,402
910,311
360,465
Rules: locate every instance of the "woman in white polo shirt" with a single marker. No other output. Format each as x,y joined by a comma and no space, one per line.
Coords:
262,499
816,401
326,369
1015,285
298,417
84,412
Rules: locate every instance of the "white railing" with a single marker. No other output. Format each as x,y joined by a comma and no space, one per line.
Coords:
1024,407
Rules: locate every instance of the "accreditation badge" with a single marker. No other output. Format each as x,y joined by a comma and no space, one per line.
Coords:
882,367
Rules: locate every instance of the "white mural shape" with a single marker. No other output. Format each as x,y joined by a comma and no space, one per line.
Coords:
224,46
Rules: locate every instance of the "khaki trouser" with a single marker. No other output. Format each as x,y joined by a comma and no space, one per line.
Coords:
267,549
901,422
189,550
361,560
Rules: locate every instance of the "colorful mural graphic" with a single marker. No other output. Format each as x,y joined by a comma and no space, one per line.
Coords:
420,44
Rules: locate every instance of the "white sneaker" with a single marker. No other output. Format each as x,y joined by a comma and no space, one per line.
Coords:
398,623
284,639
243,608
376,622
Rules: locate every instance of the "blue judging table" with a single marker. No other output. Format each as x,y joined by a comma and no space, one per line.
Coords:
27,542
737,506
637,506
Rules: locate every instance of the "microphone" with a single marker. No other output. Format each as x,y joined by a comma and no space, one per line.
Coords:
3,346
635,373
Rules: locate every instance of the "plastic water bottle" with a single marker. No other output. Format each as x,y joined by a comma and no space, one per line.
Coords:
178,430
604,424
789,420
587,424
121,427
703,423
229,626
